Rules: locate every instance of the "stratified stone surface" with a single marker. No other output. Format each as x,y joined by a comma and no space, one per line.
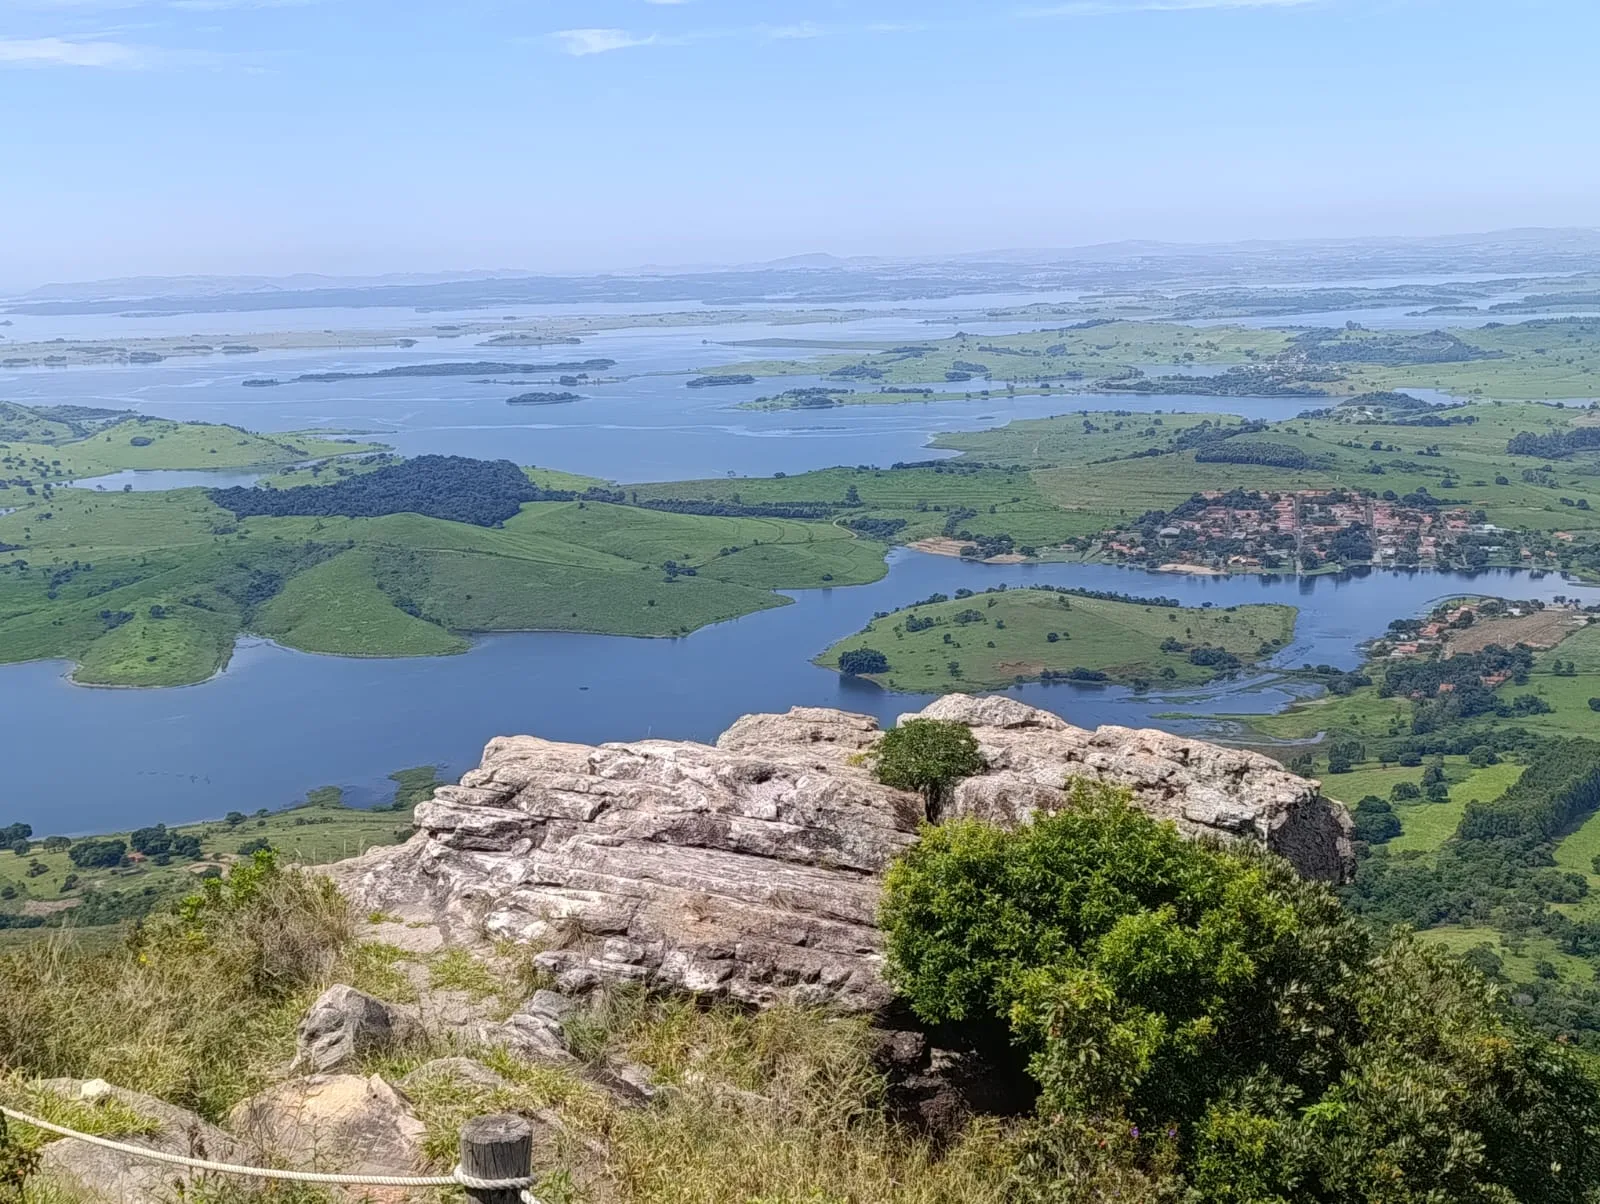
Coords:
752,869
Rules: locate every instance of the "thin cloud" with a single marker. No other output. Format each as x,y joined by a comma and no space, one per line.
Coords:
805,29
217,6
60,52
1111,8
582,42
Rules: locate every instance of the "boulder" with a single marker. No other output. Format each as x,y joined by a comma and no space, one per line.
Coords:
333,1122
343,1025
752,869
467,1071
1205,789
113,1178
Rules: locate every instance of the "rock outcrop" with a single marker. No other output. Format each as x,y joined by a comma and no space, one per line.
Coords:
333,1122
343,1025
111,1177
752,869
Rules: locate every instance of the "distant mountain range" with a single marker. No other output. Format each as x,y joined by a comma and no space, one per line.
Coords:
827,279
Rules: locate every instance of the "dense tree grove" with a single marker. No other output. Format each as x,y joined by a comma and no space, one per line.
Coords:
1220,1030
731,509
1253,451
884,529
1422,676
97,854
860,661
1390,348
458,488
1557,445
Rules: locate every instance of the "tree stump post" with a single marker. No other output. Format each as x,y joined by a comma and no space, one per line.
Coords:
496,1147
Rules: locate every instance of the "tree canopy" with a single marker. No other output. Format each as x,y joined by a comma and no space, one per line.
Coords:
1255,1042
482,492
928,756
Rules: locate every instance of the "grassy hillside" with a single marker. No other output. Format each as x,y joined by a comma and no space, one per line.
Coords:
989,641
145,443
152,588
1534,361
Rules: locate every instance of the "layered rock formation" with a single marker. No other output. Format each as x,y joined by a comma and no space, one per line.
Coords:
752,869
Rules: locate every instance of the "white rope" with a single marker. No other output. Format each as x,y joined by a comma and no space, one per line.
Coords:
456,1178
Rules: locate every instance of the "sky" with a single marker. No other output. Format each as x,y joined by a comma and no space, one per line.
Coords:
365,136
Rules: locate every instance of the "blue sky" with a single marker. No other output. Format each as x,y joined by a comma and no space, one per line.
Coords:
351,136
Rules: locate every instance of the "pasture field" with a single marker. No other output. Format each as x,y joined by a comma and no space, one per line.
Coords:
989,641
1546,360
44,881
150,443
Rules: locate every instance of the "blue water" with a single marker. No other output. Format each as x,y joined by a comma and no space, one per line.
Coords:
149,480
278,722
639,423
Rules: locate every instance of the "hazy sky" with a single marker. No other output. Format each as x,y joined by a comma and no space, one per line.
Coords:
170,136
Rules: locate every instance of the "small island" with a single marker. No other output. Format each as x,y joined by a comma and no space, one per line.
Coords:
995,639
522,338
542,399
717,382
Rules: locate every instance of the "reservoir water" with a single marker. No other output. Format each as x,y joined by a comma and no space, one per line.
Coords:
280,722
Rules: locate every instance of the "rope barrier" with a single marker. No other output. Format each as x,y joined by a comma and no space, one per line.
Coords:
456,1178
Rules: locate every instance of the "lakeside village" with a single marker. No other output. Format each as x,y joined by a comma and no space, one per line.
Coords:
1247,530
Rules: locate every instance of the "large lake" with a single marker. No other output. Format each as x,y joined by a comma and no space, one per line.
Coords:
644,424
279,722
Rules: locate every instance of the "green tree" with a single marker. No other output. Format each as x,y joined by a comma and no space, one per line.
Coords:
858,662
97,854
928,756
1375,821
1209,996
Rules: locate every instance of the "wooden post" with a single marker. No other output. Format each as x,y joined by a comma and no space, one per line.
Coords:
496,1147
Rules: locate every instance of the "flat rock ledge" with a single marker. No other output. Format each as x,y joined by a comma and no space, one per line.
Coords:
752,869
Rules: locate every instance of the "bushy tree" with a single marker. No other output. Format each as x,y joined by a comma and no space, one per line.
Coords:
1375,820
97,854
1230,1016
928,756
152,841
860,661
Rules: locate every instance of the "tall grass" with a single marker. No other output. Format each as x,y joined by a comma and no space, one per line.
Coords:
199,1007
195,1007
778,1107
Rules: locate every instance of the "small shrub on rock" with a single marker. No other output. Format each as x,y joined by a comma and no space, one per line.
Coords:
929,756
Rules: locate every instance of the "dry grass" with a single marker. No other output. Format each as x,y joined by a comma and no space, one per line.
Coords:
777,1107
194,1010
199,1008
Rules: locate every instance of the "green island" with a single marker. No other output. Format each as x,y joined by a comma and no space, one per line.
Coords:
994,639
